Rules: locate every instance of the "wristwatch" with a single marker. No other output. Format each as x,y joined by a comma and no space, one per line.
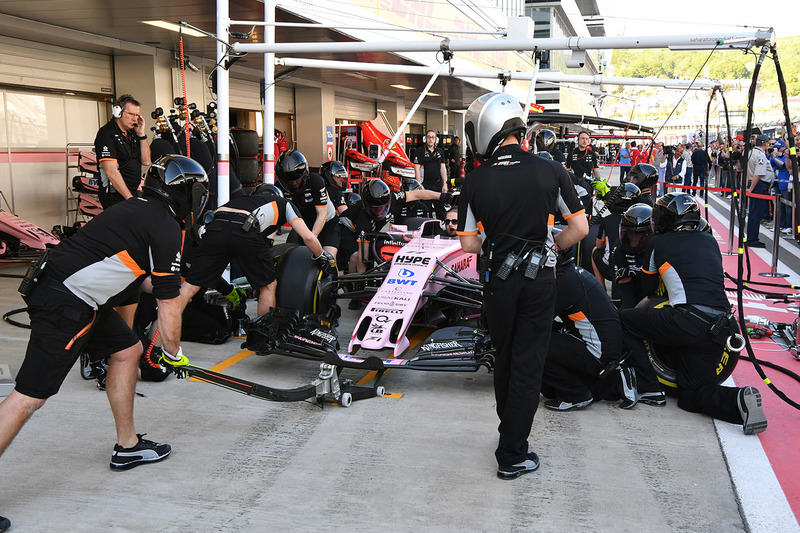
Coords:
141,137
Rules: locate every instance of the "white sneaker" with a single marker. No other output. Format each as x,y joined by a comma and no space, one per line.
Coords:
786,231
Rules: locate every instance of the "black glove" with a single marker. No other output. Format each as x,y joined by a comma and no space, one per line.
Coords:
446,197
326,262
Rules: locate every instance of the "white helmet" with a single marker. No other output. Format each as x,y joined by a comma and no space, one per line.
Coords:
490,119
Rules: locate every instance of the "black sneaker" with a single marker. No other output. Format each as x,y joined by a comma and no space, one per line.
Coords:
627,378
145,451
753,418
5,523
514,471
659,399
559,405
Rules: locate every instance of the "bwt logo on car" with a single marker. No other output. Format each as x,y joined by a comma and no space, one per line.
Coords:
403,273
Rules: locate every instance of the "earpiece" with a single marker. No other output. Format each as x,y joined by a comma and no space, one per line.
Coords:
116,109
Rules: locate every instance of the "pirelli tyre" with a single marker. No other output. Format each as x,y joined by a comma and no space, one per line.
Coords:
663,359
301,284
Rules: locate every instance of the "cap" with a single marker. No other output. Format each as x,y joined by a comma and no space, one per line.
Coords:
740,137
762,139
780,143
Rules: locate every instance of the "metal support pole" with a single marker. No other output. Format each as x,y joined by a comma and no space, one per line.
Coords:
732,215
223,106
268,131
776,240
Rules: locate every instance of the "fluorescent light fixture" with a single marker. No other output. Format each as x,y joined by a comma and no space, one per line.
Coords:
432,94
403,87
171,26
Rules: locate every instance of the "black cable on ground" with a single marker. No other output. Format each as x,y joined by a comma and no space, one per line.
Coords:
775,366
14,322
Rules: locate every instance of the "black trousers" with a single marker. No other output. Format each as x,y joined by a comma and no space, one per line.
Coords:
570,371
519,313
697,357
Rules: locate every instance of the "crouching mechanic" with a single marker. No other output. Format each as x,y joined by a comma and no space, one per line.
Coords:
240,231
512,199
696,324
72,306
588,347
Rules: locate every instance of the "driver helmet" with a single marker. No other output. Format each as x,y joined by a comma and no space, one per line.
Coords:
377,199
182,184
625,196
292,171
394,182
674,211
490,119
634,228
335,175
267,189
545,140
642,175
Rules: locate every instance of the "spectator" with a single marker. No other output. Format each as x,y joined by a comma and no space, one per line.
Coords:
783,179
759,179
624,161
687,156
701,163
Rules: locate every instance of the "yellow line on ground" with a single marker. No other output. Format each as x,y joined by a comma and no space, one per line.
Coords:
412,343
229,362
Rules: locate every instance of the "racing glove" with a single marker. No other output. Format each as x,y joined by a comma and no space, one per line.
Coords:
601,187
446,198
325,261
174,362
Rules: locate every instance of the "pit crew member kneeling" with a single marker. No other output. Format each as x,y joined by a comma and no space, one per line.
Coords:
698,323
240,231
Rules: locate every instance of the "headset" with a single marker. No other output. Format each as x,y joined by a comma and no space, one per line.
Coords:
116,109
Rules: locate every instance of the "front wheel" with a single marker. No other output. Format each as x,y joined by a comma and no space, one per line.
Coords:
663,358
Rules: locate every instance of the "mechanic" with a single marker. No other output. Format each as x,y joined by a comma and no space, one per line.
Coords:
696,324
589,344
511,199
308,193
71,305
403,211
120,152
583,159
429,169
335,176
371,213
617,201
240,231
454,158
546,142
631,256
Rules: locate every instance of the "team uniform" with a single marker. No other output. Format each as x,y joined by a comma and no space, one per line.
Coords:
690,264
360,222
592,338
225,238
519,311
306,201
431,161
86,276
113,144
582,162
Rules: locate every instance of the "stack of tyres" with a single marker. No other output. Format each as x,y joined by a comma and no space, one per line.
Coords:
245,156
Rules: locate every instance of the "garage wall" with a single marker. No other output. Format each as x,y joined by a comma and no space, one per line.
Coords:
348,108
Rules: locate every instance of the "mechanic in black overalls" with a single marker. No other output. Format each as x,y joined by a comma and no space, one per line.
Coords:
690,264
71,307
507,208
309,194
335,175
582,160
402,211
430,159
240,231
121,152
617,201
631,257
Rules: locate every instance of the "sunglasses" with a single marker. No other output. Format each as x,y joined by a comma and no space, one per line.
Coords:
451,221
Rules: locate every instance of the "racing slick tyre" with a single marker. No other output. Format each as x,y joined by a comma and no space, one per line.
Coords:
663,358
301,284
9,246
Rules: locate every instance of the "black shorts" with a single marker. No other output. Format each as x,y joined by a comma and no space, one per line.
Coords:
225,240
329,236
62,327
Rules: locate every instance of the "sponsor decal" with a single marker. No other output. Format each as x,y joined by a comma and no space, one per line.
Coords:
405,273
412,260
376,329
401,282
462,264
441,346
387,311
323,335
382,319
